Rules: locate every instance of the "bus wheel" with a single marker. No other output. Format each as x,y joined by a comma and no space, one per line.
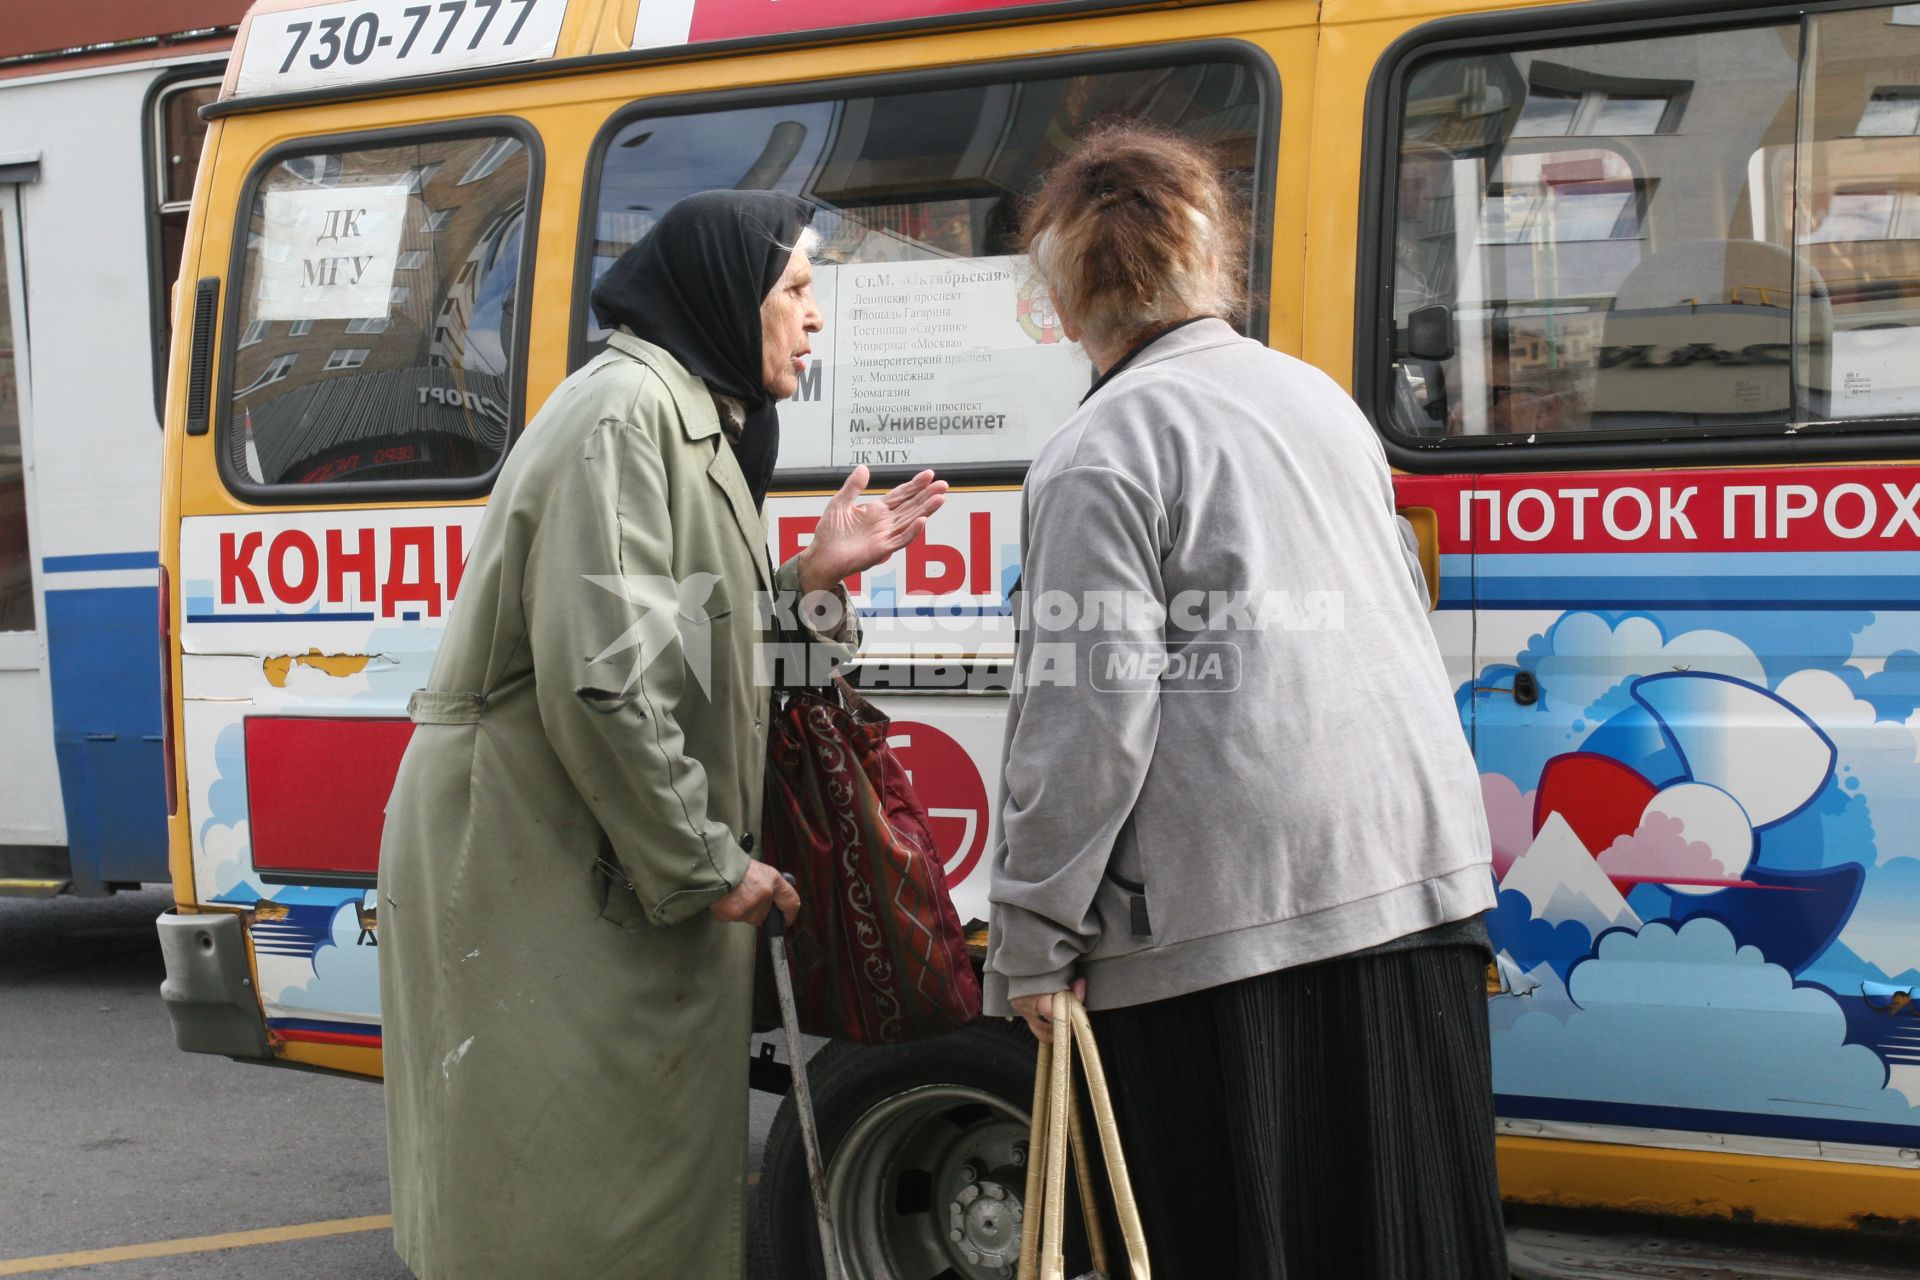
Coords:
926,1148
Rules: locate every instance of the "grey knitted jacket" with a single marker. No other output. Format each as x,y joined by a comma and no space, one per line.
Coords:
1273,773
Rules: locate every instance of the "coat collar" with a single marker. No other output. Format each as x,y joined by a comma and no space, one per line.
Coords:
700,420
1182,339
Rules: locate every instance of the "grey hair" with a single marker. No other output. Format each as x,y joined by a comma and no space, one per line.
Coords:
807,242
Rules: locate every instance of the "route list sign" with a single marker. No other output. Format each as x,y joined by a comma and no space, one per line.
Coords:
931,362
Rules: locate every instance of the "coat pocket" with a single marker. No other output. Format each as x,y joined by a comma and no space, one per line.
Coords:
1139,921
613,892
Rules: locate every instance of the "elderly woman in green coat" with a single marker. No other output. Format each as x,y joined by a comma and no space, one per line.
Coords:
567,887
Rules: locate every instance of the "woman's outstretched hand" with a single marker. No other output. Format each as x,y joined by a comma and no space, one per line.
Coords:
854,536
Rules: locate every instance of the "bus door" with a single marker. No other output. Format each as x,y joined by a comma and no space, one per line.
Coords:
325,532
31,819
1642,281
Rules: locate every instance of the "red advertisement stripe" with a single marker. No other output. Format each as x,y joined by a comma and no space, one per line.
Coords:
1872,508
328,1037
740,19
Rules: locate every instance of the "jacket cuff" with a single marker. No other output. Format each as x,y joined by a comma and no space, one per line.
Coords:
1041,984
729,868
844,638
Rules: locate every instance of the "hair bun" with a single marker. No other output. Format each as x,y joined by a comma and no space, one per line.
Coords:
1135,230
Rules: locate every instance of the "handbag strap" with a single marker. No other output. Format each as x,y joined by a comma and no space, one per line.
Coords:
1126,1208
1054,1113
1089,1194
1036,1172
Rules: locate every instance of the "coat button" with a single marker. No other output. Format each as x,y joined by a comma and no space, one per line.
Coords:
746,842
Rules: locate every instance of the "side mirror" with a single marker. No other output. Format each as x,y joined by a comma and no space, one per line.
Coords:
1430,332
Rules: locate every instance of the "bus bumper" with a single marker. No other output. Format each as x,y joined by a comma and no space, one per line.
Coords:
1675,1250
208,989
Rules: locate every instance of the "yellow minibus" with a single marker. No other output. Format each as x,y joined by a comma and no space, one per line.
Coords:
1625,286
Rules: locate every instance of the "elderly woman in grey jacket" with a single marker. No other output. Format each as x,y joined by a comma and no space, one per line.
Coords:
1238,813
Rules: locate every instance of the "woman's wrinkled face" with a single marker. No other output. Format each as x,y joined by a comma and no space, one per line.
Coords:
789,318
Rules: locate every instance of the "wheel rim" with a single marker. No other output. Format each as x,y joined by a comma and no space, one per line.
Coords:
928,1184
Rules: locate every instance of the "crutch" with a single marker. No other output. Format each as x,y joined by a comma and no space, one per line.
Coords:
802,1095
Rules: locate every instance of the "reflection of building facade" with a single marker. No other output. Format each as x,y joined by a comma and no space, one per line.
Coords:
421,391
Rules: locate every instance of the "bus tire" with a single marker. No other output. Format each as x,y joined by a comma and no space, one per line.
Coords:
924,1142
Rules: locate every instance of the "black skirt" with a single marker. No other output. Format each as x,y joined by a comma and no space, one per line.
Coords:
1330,1122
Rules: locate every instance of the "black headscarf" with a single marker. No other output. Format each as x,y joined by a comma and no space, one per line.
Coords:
694,285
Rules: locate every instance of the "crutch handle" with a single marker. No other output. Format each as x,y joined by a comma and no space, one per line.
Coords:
776,918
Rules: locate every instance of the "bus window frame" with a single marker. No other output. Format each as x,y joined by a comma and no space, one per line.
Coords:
381,491
1260,216
152,149
1815,440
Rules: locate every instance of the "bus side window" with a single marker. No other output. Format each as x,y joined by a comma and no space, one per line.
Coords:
940,347
16,559
374,328
1586,216
1691,231
1856,213
177,133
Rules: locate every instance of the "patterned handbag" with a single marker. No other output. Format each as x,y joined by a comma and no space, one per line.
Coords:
878,954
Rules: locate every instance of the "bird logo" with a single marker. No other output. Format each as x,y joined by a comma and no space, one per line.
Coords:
666,611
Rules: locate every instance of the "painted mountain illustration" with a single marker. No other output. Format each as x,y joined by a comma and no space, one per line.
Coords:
1563,881
1695,844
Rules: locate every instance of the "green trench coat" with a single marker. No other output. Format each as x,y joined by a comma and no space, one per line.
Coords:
566,1026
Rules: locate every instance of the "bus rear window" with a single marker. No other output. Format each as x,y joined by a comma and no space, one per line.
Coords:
374,329
940,347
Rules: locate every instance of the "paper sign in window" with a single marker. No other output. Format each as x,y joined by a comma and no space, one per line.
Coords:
933,361
328,254
1876,373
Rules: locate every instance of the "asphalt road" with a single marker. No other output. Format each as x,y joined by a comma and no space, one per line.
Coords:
111,1137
